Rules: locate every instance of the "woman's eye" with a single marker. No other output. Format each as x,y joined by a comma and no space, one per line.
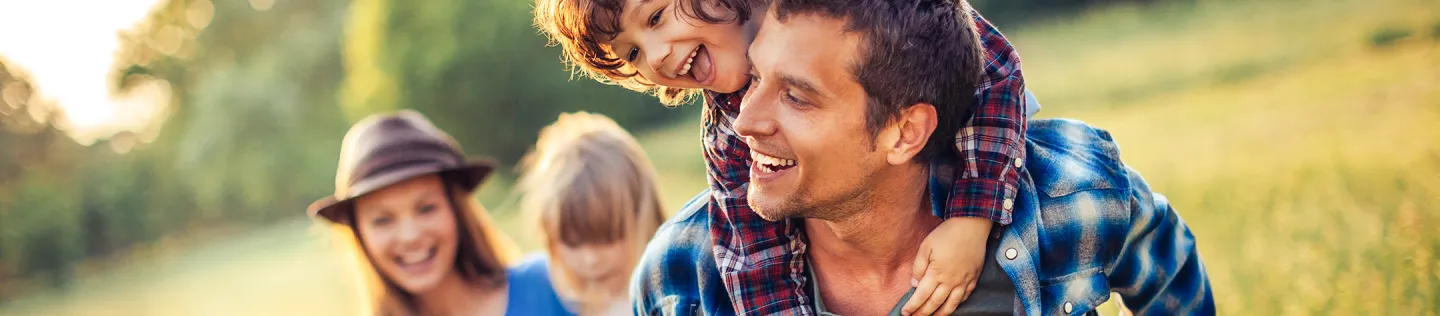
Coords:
634,53
655,17
381,221
427,209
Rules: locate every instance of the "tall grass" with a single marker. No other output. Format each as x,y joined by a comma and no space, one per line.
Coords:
1304,157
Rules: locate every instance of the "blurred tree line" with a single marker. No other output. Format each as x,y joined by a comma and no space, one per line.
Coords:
261,96
261,93
1011,13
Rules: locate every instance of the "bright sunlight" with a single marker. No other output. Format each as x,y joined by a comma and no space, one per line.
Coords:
67,48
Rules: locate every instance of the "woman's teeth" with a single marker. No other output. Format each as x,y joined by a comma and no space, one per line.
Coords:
689,61
417,257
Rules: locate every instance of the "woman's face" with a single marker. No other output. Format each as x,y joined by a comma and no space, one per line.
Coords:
409,231
599,271
672,49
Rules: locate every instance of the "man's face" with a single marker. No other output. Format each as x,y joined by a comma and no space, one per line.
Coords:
804,120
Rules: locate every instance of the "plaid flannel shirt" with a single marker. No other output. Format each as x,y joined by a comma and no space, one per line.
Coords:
1084,225
751,249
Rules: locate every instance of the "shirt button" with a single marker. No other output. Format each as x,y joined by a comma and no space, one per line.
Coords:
1009,203
1019,163
1068,307
1011,253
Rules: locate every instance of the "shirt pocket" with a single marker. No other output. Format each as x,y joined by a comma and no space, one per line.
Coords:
1075,294
674,305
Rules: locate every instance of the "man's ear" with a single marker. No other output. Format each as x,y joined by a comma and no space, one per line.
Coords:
912,130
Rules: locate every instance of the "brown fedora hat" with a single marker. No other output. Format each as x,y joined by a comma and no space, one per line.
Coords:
385,149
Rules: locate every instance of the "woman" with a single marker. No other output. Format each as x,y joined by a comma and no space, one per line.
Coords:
594,192
403,198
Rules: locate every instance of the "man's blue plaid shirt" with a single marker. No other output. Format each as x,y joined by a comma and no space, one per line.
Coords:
1085,225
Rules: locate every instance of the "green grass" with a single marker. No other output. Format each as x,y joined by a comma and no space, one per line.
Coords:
1305,162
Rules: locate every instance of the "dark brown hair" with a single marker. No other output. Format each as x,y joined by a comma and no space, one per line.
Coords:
914,51
581,28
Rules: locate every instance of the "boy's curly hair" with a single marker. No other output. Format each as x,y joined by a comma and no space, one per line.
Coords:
581,28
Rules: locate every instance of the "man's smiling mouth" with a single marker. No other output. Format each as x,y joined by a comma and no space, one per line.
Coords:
769,164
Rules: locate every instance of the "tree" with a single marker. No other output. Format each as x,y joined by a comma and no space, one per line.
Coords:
477,68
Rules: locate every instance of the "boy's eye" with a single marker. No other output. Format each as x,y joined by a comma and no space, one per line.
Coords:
427,209
655,17
634,53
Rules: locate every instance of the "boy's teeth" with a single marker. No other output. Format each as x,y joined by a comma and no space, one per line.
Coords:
685,69
688,62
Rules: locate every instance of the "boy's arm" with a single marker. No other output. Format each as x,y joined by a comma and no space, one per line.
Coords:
1159,271
991,144
741,237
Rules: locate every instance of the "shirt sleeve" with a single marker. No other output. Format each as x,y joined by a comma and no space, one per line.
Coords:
1159,271
748,249
991,144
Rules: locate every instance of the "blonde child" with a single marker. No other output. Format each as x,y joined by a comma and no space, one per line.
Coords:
593,190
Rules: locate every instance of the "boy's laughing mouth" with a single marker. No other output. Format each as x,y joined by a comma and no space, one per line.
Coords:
698,66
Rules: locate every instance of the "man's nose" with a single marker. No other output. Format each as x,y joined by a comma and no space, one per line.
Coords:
756,118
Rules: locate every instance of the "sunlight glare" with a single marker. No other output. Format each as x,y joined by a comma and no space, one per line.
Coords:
68,48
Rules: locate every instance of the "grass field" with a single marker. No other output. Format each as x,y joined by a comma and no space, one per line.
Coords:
1299,139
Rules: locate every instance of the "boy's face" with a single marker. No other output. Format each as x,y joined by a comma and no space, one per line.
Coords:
804,118
673,49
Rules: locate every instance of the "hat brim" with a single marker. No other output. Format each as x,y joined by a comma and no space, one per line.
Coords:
467,177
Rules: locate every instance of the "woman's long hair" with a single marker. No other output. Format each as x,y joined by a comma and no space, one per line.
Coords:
481,257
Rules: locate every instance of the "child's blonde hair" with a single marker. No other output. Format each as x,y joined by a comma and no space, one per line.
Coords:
589,183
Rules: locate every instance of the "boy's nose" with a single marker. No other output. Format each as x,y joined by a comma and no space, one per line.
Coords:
656,59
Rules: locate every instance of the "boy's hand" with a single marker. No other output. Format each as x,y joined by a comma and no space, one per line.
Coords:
948,265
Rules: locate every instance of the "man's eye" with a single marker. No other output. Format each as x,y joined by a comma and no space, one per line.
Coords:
792,99
634,53
655,17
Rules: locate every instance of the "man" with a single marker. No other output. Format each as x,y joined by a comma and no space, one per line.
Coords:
840,116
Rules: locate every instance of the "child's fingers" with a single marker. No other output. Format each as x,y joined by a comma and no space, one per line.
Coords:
922,263
936,299
922,293
956,297
969,289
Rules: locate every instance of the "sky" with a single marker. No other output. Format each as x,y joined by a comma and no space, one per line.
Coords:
68,49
